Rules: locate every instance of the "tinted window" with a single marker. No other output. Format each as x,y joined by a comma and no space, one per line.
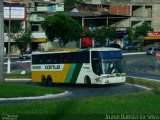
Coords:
149,48
60,58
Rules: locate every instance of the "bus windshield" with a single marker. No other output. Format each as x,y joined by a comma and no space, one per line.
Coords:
110,66
107,62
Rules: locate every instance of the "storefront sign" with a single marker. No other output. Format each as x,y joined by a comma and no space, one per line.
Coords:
154,34
16,13
157,54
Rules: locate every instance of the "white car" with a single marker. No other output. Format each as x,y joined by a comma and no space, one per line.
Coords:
152,51
26,55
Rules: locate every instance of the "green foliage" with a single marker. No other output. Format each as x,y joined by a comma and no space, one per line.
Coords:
89,108
62,27
148,83
101,34
69,4
81,1
10,90
138,33
18,75
16,26
22,40
131,35
156,91
142,30
111,31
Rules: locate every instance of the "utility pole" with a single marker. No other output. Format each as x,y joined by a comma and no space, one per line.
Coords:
9,39
1,43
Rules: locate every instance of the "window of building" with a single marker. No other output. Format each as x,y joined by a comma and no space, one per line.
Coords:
35,27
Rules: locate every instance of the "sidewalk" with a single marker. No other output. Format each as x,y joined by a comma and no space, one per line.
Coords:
18,80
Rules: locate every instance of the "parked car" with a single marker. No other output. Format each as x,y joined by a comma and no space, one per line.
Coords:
131,47
152,51
114,45
26,55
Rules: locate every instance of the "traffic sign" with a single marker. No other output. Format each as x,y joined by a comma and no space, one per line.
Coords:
157,54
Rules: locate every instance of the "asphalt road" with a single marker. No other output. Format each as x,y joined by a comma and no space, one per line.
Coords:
142,66
82,91
96,90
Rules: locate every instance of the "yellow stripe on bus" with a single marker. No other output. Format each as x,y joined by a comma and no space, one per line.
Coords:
57,76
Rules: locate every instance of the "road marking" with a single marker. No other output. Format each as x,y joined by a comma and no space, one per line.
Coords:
18,62
145,78
136,53
144,87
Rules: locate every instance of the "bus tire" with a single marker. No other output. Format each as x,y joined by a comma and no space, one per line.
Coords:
44,80
87,80
49,80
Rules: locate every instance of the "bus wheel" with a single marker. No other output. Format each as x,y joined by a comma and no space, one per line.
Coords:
49,80
44,81
87,80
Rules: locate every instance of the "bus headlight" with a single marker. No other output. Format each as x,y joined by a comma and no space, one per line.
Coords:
123,74
97,79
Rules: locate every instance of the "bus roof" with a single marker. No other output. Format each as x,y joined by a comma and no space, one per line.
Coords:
66,50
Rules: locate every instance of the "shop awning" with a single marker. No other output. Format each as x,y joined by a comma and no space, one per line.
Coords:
152,38
39,40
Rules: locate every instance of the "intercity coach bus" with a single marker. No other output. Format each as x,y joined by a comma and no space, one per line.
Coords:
82,66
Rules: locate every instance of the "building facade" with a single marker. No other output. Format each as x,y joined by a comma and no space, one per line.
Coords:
135,13
13,12
139,11
37,11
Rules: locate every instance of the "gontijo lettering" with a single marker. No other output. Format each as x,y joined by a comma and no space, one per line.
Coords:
36,67
50,67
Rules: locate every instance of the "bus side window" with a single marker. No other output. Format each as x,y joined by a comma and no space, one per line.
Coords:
74,59
48,59
54,58
40,59
37,59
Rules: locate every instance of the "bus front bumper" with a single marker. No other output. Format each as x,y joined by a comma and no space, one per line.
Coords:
111,78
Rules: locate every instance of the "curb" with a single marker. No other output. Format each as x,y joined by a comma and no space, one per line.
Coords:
134,53
145,78
47,96
17,79
139,86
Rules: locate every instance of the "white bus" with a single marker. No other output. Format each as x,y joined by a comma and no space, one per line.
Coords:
82,66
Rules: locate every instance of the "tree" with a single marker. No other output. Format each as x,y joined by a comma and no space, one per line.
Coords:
20,37
131,35
111,31
101,34
62,27
22,40
69,4
16,26
142,30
